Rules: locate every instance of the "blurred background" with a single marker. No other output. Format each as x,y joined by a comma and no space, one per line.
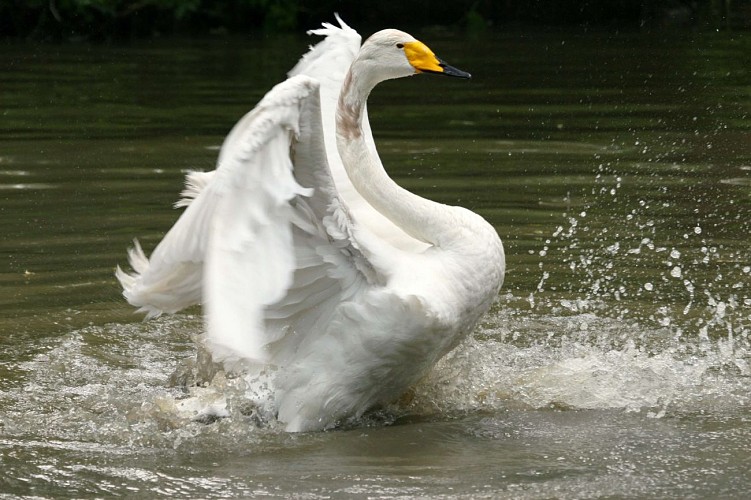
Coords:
123,19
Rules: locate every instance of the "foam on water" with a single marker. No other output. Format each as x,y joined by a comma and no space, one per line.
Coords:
111,385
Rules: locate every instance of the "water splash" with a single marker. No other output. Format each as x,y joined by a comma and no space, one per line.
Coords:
110,385
638,267
586,362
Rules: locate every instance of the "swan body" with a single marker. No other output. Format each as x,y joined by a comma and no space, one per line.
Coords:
314,268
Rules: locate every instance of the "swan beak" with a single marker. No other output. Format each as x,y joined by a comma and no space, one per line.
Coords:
452,71
425,61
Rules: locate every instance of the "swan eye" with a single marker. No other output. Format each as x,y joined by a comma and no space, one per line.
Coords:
399,45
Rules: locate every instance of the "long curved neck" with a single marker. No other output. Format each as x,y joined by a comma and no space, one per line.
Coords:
422,219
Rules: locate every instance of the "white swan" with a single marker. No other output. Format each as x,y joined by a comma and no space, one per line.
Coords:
313,266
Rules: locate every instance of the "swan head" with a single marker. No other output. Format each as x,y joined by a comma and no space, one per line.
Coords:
392,53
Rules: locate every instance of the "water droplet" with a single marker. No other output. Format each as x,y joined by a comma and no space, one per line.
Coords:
675,254
721,310
676,272
648,286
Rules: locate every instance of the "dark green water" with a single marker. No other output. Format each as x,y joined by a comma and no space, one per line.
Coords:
616,168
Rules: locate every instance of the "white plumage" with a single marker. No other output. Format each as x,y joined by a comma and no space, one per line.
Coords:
311,263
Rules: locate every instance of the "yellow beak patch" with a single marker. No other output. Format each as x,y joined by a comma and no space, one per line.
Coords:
421,57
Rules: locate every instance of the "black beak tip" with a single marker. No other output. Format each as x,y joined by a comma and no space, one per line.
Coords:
455,72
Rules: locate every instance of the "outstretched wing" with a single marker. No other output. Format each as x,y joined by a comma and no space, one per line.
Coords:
328,62
250,256
282,255
275,242
171,279
281,241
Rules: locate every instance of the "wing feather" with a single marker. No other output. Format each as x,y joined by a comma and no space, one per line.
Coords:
250,258
171,279
266,242
282,253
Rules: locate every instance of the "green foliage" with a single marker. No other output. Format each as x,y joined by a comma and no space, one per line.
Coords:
116,19
476,23
108,19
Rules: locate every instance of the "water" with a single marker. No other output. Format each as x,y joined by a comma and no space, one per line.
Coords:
616,361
